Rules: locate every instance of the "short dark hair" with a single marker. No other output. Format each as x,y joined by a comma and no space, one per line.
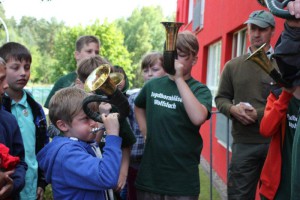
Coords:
84,40
150,59
117,68
15,50
86,66
187,43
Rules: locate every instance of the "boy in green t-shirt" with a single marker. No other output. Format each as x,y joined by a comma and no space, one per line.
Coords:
85,47
170,111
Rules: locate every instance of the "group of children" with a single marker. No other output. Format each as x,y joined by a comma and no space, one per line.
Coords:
72,162
157,151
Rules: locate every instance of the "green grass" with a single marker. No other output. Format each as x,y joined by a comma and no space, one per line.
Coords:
48,193
204,193
205,187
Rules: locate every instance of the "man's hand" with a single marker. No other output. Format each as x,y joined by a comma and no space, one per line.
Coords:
244,113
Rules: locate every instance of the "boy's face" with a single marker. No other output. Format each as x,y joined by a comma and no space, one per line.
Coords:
3,83
81,127
88,50
17,74
121,85
188,61
154,71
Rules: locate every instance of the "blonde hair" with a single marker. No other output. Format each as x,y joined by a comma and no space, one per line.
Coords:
66,104
87,65
150,59
187,43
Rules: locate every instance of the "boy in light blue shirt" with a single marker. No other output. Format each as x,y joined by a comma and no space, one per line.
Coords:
29,114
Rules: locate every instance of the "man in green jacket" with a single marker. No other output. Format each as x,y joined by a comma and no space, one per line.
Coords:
242,93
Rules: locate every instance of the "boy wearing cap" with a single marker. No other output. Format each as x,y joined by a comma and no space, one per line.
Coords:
241,96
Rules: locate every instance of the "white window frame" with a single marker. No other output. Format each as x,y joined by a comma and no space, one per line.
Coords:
213,67
202,13
198,17
191,9
239,42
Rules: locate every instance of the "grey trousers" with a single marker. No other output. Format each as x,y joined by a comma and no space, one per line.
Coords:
244,170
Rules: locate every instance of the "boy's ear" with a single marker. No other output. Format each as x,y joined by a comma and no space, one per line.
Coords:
195,60
76,55
62,125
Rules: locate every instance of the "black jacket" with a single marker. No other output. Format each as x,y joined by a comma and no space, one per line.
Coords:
40,122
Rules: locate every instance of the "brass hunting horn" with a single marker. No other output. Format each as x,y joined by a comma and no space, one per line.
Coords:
276,7
170,52
261,58
100,82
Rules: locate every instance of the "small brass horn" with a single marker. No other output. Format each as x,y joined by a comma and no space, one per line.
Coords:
170,51
261,58
102,81
104,85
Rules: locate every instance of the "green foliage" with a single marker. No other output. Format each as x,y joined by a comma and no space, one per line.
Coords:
143,33
52,43
48,195
112,47
205,186
37,36
39,32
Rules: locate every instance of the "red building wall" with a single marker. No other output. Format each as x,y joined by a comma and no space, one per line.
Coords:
221,19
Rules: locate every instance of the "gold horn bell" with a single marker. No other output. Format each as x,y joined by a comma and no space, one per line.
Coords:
101,79
262,60
170,51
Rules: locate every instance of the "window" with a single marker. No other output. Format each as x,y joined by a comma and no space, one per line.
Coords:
198,15
224,124
213,67
223,130
191,8
239,43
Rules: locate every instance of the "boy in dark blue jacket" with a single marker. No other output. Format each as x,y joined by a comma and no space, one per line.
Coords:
11,137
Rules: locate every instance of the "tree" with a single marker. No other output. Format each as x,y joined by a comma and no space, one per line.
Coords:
143,33
39,32
38,37
124,42
112,48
